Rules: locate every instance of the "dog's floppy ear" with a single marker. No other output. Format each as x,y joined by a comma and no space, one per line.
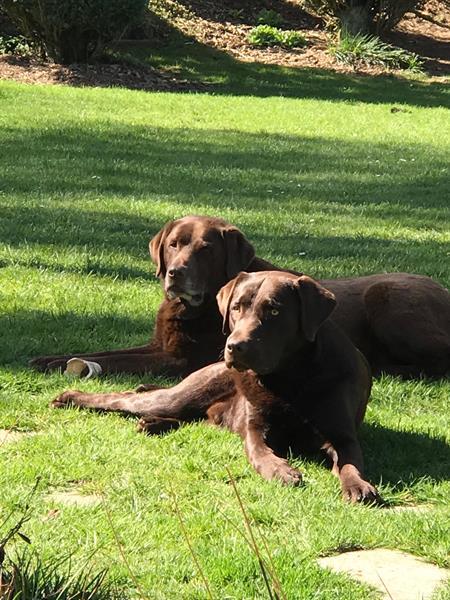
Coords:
239,251
156,247
225,296
317,304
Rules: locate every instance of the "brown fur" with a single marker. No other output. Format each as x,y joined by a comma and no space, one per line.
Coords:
188,333
296,382
401,322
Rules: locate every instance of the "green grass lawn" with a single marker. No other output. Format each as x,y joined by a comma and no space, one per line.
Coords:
325,179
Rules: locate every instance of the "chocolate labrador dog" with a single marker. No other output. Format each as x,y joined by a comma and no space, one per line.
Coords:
401,322
297,382
195,256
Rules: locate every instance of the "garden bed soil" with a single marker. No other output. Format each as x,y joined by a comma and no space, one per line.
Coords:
226,28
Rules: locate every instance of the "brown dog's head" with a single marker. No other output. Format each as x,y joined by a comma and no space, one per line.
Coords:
271,314
195,256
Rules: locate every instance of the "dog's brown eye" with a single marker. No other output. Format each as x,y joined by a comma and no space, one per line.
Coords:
274,312
235,307
173,244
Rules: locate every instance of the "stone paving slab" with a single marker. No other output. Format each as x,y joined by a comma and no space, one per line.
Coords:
397,575
9,435
74,498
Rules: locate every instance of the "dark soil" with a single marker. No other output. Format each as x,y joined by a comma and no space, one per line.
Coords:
29,70
225,27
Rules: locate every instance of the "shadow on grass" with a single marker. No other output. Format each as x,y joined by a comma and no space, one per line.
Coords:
394,185
185,57
26,334
220,166
400,458
87,229
65,229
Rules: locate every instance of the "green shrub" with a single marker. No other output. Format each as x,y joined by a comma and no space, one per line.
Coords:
73,30
362,16
269,17
15,44
293,39
354,49
266,35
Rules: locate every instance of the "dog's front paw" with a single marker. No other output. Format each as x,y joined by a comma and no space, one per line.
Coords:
282,471
65,399
360,491
156,425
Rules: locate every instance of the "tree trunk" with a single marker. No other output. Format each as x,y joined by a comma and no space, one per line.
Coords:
355,19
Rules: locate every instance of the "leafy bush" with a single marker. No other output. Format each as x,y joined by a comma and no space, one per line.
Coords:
293,39
15,44
73,30
266,35
269,17
352,49
362,16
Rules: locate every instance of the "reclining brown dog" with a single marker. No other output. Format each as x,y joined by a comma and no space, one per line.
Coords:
400,322
299,383
195,257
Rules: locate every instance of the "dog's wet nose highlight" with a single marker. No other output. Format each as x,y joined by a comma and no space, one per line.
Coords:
237,347
176,272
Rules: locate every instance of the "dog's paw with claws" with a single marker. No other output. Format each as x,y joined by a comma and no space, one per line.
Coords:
289,476
281,470
156,425
361,491
66,399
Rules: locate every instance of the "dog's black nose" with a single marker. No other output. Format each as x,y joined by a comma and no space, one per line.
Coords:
236,347
174,272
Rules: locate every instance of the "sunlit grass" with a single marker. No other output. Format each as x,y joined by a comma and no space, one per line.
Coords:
321,185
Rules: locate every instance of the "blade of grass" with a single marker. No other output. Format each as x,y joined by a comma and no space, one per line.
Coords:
255,548
188,541
272,572
23,519
122,552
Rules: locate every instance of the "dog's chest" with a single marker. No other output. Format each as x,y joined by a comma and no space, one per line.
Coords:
198,335
286,409
278,400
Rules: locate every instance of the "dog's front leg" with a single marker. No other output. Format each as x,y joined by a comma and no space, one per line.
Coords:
131,403
189,400
349,462
263,459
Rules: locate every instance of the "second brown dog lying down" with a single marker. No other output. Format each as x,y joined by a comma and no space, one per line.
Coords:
298,382
399,321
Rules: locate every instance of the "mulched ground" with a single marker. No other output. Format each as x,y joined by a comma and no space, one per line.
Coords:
98,75
226,28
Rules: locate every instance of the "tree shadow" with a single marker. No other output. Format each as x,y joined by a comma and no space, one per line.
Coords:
64,227
400,458
218,164
92,267
187,58
26,334
435,52
257,171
